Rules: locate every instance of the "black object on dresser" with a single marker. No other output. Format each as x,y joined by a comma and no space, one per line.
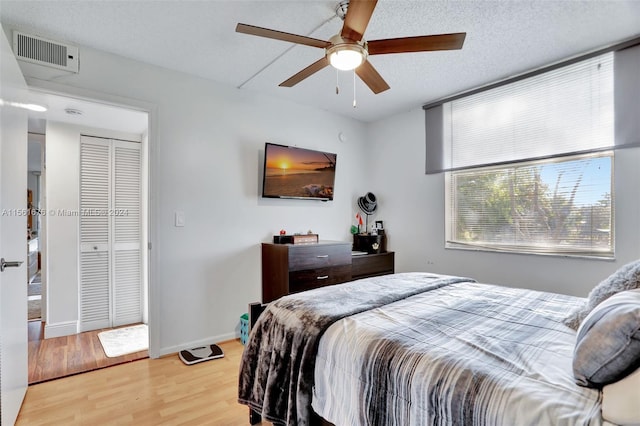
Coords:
290,268
370,243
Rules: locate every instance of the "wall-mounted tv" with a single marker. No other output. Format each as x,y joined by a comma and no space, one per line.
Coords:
292,172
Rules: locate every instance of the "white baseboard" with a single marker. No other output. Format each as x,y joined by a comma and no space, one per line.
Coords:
59,329
189,345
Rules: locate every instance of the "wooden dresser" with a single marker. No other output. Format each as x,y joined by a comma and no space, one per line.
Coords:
290,268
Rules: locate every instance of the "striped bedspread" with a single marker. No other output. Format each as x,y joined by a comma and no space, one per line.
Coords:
462,354
277,366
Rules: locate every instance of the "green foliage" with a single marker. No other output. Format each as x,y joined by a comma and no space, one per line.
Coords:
514,206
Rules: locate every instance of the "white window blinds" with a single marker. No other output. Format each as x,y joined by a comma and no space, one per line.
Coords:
561,206
563,111
531,161
584,107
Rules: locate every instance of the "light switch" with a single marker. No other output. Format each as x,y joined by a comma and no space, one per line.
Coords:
179,218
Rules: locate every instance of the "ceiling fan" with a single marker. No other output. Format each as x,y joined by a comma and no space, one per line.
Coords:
348,50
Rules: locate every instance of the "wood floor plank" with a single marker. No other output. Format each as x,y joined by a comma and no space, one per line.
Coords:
145,392
62,356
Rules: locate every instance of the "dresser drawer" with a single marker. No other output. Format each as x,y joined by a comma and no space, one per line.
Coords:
372,265
318,277
315,256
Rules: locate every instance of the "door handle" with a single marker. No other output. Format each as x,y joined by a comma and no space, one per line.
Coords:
5,264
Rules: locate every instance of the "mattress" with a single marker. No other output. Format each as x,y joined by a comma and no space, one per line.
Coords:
416,349
466,354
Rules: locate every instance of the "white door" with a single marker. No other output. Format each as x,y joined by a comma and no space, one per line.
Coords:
95,256
110,244
13,229
126,223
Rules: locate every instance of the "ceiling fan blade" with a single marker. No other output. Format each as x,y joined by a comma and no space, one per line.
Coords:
279,35
417,44
371,78
358,15
307,72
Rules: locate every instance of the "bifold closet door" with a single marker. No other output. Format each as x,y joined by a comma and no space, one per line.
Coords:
95,265
110,233
127,233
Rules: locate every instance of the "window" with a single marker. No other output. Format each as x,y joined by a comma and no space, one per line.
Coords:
553,206
530,163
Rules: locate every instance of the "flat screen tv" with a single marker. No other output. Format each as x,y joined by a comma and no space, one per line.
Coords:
292,172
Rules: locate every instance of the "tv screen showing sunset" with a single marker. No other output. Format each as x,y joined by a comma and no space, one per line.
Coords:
298,173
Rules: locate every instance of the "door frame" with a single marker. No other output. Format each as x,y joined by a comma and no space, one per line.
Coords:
149,172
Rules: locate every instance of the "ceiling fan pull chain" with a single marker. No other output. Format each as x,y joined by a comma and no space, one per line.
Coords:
354,88
337,88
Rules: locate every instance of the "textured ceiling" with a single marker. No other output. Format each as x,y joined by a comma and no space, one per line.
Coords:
504,38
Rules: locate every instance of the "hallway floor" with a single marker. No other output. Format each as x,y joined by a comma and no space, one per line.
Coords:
68,355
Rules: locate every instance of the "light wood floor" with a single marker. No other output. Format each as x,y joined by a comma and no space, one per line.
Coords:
146,392
64,356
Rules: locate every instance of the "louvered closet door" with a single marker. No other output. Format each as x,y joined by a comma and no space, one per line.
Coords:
110,233
95,265
127,233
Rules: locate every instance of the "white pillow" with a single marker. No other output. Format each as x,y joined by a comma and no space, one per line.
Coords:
621,401
608,341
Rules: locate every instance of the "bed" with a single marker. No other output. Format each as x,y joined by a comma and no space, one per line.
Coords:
417,349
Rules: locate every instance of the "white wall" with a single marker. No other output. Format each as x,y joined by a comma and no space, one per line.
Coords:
412,204
59,252
206,141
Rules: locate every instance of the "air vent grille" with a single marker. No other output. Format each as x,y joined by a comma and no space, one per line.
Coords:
41,51
33,48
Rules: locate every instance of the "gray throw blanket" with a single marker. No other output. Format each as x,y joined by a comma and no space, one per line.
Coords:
276,372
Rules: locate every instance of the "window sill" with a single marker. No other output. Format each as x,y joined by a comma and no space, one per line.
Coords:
576,255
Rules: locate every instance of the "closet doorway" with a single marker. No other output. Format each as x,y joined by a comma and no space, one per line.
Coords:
61,336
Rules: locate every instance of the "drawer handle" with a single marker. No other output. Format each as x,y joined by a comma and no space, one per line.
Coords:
322,255
324,277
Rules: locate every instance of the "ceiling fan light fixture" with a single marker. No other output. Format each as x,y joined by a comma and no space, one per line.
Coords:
346,60
346,56
347,50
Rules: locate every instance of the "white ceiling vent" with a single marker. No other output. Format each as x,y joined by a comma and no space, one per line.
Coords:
38,50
